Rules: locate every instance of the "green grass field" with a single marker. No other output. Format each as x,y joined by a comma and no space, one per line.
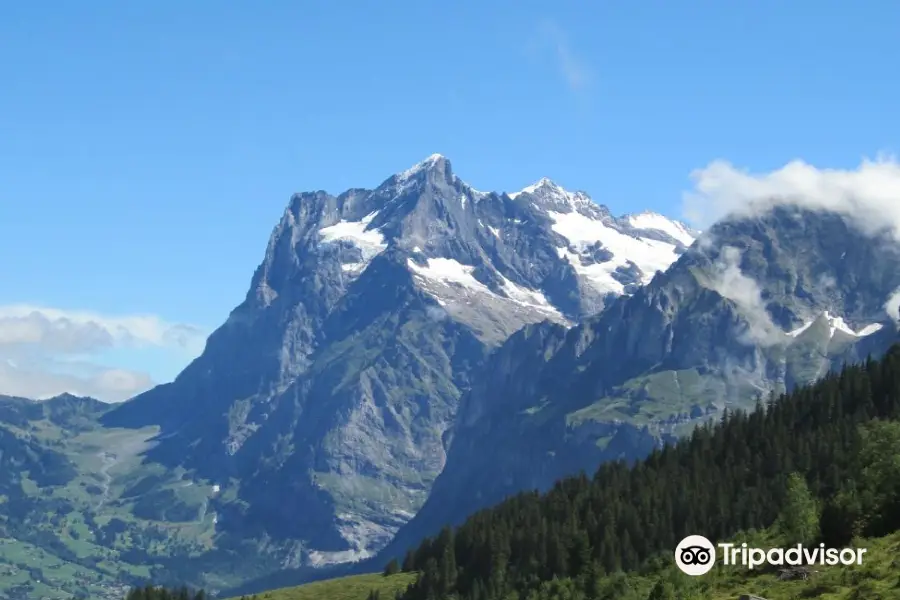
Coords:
344,588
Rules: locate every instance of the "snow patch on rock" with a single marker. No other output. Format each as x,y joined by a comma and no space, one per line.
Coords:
582,231
370,241
837,323
652,220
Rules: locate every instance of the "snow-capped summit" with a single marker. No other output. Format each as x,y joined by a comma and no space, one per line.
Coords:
377,299
545,191
435,161
543,184
544,252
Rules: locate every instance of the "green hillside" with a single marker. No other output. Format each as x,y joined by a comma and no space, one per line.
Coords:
835,443
358,587
877,579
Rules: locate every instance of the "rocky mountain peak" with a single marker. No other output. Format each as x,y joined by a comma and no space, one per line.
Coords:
366,319
544,252
435,168
549,195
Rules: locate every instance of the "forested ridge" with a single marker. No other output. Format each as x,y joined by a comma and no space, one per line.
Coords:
840,435
729,476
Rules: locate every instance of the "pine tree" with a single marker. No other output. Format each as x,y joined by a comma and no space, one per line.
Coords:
392,568
663,590
409,563
448,565
799,520
880,475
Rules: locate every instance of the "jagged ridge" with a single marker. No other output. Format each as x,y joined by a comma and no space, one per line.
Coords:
336,382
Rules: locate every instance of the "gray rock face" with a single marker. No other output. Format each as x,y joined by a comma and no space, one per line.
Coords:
328,397
755,306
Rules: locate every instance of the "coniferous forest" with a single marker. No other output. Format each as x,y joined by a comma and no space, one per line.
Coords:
840,435
160,593
727,477
154,593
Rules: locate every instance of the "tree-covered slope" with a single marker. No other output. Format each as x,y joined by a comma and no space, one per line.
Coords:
876,579
727,477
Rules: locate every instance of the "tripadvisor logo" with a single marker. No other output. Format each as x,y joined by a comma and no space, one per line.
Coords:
696,555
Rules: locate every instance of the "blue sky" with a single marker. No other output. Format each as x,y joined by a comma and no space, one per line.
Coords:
148,148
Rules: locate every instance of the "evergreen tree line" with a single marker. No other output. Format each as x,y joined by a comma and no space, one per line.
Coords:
738,474
151,592
157,593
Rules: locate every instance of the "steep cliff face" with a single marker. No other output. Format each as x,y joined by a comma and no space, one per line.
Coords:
327,399
757,305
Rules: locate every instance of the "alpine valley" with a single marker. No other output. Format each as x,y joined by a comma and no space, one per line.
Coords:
410,354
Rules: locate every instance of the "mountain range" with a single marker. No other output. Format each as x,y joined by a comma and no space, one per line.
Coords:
337,381
409,354
757,307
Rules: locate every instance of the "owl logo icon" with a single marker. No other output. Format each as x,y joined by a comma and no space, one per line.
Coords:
695,555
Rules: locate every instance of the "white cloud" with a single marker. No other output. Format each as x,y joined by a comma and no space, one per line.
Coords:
48,351
732,283
110,385
892,306
576,73
868,195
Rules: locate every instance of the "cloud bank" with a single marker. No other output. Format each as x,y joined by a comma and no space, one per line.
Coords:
46,351
869,196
